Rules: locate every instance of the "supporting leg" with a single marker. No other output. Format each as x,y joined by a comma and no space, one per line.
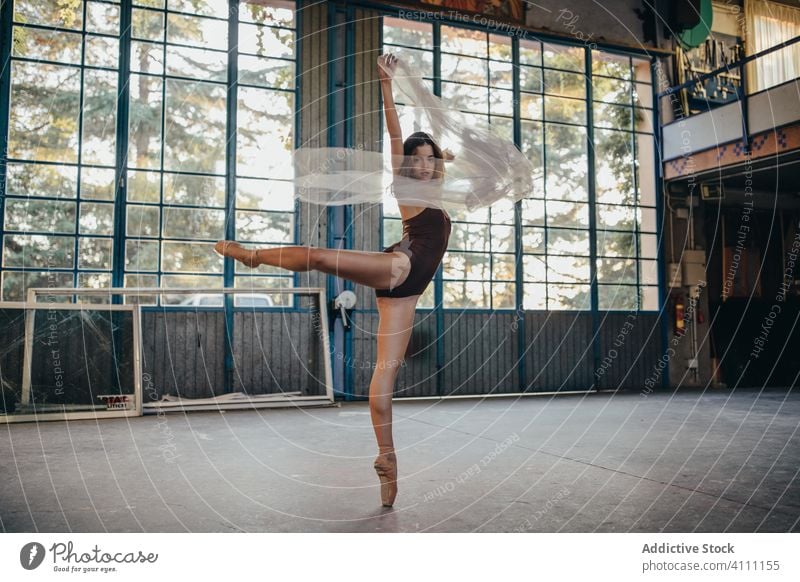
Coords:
394,332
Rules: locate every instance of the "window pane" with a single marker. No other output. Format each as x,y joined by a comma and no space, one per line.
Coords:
102,17
567,214
568,297
535,296
611,91
97,183
472,266
193,223
200,32
533,240
39,215
99,117
469,237
564,57
611,65
195,136
565,84
465,42
649,246
568,269
616,217
467,294
147,24
530,79
617,297
503,239
101,51
504,295
141,255
616,271
614,167
530,52
190,257
197,63
613,116
275,73
97,218
649,272
261,296
264,137
144,187
534,268
142,221
466,97
217,8
565,110
273,227
38,251
47,45
144,126
503,267
616,244
649,299
45,108
562,241
147,57
194,190
95,253
280,13
407,32
49,12
41,180
566,162
16,284
265,41
533,212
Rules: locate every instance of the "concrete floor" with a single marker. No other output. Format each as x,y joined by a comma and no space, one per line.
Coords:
689,461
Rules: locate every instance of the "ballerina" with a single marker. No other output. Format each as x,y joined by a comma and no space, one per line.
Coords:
399,274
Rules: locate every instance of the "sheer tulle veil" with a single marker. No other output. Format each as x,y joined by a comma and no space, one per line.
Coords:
486,167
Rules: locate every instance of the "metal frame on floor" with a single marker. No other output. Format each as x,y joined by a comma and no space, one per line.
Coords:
230,401
30,313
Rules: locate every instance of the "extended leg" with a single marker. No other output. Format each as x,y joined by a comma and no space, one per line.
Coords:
394,331
376,270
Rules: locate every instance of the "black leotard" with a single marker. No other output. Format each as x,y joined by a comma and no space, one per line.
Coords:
424,241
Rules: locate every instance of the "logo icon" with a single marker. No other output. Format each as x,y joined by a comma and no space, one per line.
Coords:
31,556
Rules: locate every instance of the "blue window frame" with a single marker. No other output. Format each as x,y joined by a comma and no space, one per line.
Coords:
60,191
576,232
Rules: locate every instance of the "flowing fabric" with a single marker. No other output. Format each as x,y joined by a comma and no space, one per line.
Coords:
486,167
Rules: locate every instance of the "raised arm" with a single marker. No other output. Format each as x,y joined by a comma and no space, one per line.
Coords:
385,62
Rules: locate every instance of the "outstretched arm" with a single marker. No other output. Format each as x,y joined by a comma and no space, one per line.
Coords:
385,62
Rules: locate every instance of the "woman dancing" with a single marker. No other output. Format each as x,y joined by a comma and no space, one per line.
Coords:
399,274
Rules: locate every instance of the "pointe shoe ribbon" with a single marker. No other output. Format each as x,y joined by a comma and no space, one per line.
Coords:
386,468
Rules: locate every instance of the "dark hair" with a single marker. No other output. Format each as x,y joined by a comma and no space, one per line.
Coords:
410,145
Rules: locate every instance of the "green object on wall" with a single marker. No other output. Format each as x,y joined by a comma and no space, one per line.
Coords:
693,37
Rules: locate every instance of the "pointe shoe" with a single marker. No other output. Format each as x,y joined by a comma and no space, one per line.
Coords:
386,468
226,248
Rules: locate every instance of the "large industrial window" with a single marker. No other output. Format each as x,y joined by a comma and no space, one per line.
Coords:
571,238
59,210
58,227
